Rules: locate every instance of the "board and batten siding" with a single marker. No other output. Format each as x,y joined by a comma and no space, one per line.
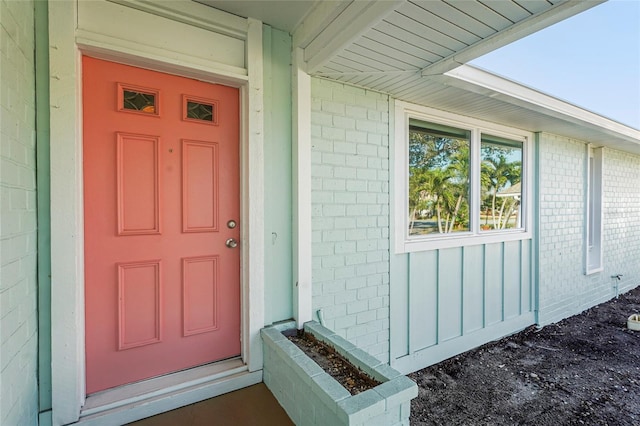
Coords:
447,301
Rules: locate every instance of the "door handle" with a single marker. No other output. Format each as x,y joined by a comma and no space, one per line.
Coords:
231,243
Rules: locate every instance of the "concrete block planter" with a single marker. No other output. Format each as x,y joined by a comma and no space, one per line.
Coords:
312,397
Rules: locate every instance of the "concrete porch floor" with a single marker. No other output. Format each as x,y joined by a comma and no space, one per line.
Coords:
253,405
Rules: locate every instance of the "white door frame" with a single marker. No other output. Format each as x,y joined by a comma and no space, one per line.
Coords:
67,44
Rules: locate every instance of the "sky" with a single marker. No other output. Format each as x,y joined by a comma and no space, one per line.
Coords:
591,60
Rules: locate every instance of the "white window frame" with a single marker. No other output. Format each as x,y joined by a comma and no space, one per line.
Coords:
593,208
405,243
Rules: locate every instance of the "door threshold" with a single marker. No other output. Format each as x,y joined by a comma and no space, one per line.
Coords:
143,399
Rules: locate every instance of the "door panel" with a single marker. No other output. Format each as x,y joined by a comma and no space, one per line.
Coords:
161,181
138,186
140,304
199,176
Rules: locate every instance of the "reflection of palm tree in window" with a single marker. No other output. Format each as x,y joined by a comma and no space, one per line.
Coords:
513,195
439,174
499,171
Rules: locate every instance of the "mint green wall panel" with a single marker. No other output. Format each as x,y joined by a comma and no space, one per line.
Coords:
457,299
493,283
512,275
449,293
423,299
526,289
398,306
473,294
278,186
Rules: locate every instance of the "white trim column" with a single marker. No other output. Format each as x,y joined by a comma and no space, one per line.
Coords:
253,203
302,261
67,225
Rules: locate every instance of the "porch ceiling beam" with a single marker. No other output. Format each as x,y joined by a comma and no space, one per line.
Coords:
521,29
336,31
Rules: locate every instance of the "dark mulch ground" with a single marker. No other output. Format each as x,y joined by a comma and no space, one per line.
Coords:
350,377
583,370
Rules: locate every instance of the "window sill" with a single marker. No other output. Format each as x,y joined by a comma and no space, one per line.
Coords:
593,270
410,245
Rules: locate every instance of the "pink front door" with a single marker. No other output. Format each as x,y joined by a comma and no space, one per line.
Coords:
161,191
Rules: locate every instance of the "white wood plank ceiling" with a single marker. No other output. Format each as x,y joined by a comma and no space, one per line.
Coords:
391,45
404,48
409,39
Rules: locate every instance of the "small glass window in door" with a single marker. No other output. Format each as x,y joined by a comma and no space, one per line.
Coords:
138,100
200,110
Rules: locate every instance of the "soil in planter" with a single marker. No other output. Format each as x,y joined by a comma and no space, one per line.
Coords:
349,376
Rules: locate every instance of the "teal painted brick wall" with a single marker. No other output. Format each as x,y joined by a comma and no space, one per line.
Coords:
18,297
350,213
564,290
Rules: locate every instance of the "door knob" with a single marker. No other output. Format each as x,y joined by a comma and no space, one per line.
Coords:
231,243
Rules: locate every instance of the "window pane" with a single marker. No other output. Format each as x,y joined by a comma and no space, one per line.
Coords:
139,101
439,172
501,182
199,111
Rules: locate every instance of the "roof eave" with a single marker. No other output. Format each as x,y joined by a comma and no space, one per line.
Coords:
517,31
607,132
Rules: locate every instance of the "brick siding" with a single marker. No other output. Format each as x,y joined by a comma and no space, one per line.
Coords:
311,397
350,213
621,205
564,290
18,291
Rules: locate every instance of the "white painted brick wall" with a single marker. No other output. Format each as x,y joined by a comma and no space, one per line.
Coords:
621,205
564,289
350,202
18,297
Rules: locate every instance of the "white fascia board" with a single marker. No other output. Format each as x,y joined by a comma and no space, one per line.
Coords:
491,85
356,19
556,13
